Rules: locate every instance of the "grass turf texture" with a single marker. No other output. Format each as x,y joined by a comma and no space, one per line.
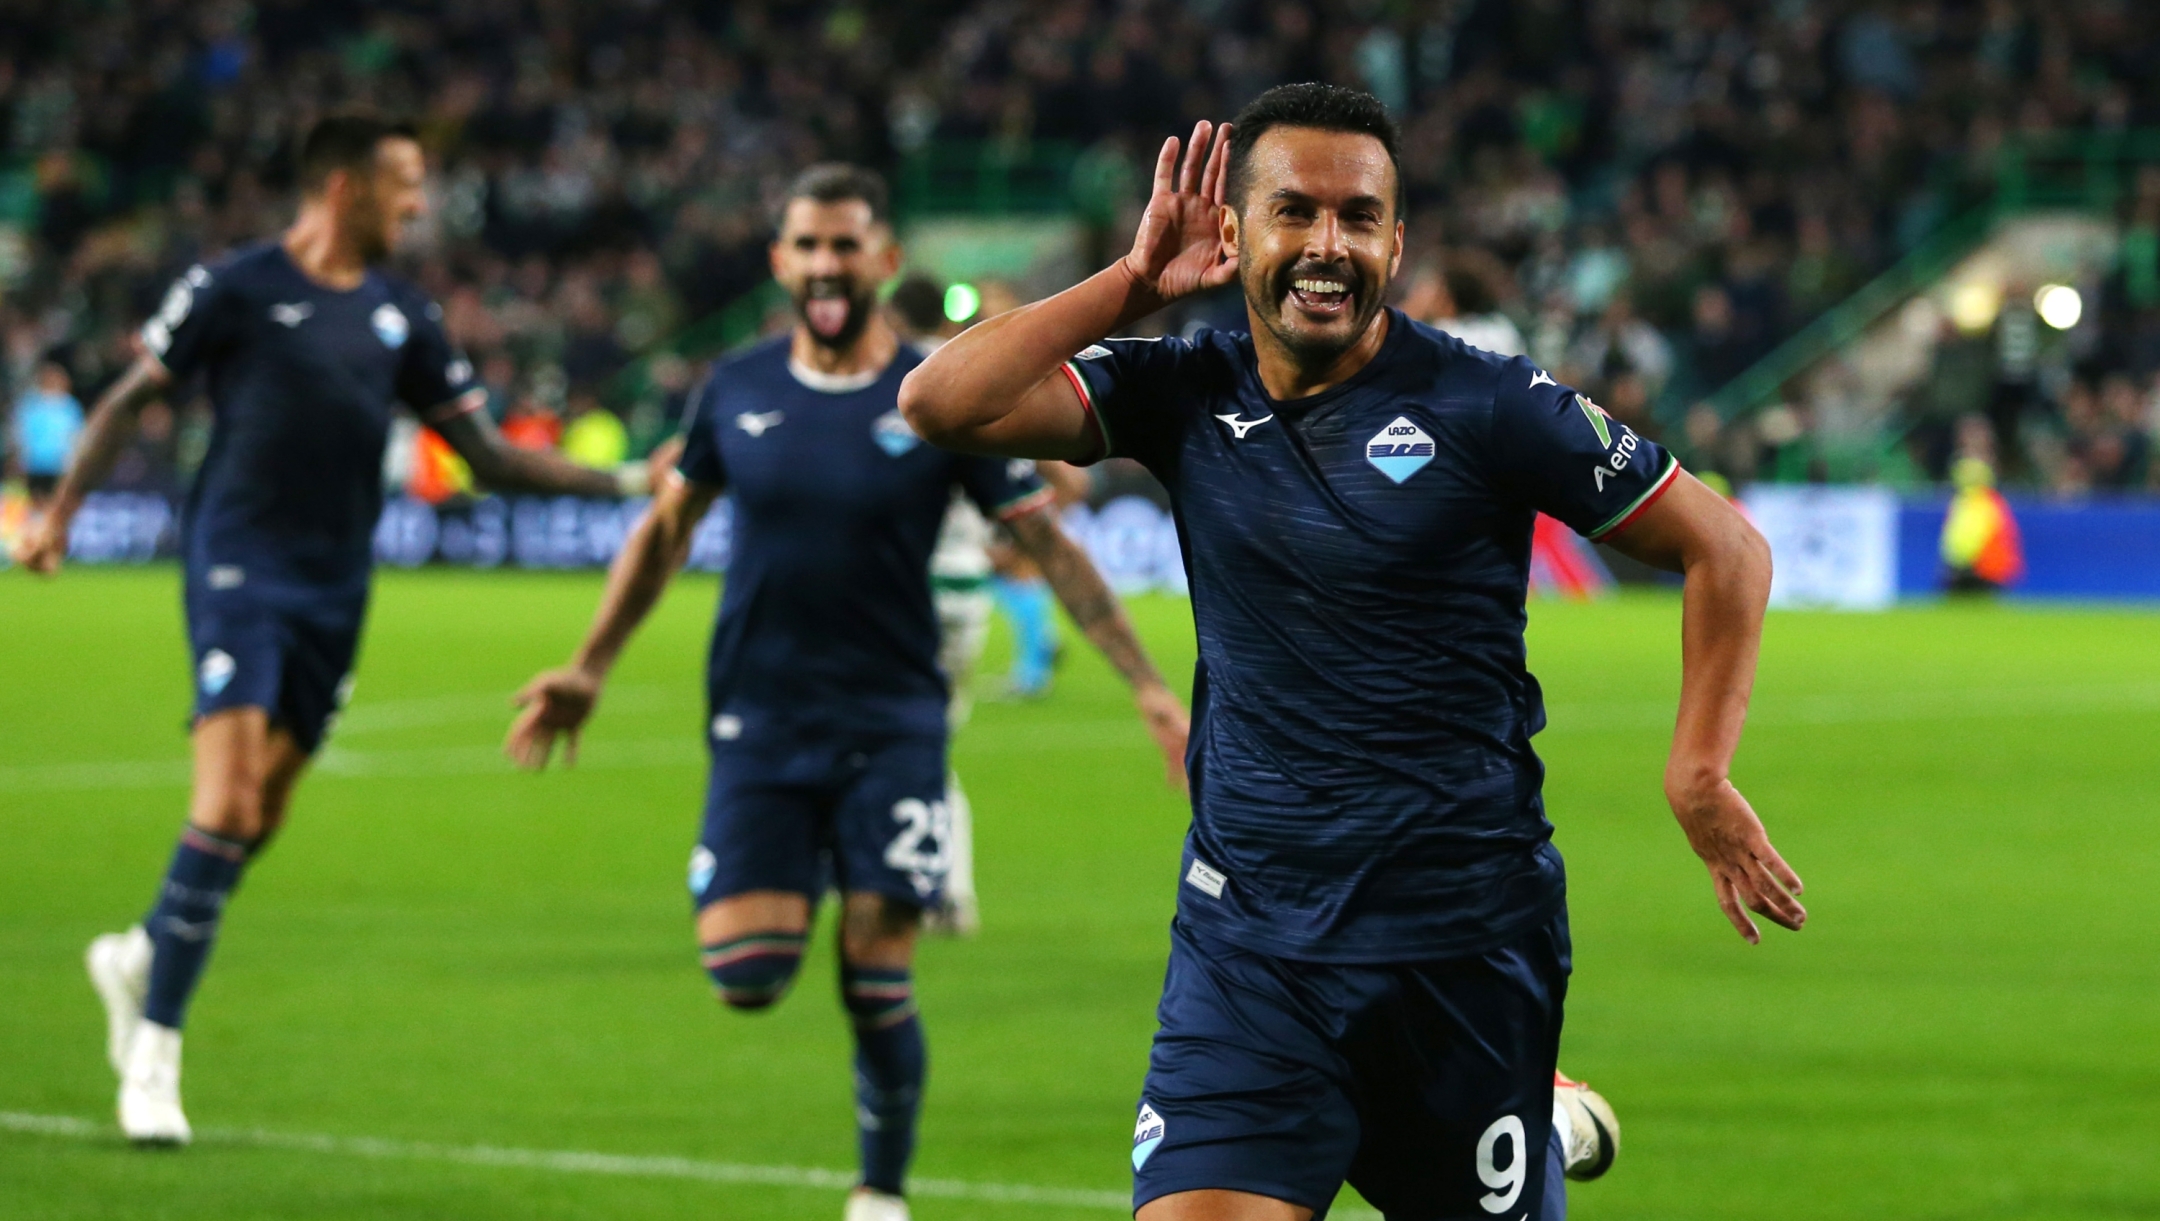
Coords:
440,950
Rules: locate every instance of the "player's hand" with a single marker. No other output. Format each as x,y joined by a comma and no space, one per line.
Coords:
554,702
1168,723
1746,871
660,464
43,544
1179,250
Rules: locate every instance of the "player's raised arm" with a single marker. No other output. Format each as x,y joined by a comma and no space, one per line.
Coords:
44,545
1692,530
1079,585
559,701
996,387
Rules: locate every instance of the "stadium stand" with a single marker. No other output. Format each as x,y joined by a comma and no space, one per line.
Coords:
1671,203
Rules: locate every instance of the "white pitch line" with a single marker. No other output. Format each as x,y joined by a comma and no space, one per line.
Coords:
565,1161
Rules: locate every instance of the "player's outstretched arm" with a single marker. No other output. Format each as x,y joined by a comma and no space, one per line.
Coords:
44,545
1692,530
996,388
1079,585
557,702
504,467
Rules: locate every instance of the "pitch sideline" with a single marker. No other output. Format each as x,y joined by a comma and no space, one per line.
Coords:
565,1161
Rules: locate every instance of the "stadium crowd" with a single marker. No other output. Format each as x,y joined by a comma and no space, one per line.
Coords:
1646,196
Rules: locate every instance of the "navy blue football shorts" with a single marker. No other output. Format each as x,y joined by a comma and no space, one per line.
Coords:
291,657
863,813
1427,1086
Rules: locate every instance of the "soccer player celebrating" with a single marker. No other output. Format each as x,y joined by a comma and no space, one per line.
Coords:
1371,949
305,346
828,710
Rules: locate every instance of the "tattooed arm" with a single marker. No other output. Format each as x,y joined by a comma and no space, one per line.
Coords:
44,544
1087,598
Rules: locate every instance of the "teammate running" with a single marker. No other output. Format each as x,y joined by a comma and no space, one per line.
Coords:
305,346
1371,950
828,711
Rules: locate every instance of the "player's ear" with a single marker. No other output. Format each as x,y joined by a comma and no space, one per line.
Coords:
1232,223
1395,257
890,258
773,250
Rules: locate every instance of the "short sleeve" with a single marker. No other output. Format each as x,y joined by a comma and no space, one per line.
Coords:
192,324
1131,390
1565,457
700,461
1003,488
435,378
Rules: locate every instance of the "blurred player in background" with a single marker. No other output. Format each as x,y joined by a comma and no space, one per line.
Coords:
304,346
1371,952
963,570
47,422
829,714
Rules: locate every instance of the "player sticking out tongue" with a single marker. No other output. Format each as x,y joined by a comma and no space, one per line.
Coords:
836,309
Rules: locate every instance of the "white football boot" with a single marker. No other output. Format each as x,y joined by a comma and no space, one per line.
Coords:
119,966
1589,1132
863,1204
149,1107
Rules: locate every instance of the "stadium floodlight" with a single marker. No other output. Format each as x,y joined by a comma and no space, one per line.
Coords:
2059,305
1974,304
961,302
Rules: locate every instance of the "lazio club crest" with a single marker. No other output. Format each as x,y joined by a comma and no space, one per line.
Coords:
893,434
390,325
1400,450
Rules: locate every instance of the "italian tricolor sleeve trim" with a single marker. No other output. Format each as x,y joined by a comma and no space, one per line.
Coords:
1626,517
1087,405
1020,506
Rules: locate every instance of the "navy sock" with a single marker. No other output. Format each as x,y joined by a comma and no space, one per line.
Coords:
183,922
890,1062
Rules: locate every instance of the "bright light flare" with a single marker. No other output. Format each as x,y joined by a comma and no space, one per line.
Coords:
2059,305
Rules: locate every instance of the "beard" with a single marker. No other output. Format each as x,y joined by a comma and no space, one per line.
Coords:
1269,296
835,310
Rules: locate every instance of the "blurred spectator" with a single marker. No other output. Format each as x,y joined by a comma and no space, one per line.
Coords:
47,422
595,436
1719,174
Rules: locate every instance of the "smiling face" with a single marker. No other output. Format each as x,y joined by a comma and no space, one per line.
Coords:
831,258
1317,238
375,207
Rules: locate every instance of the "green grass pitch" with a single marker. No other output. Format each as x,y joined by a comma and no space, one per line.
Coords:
444,955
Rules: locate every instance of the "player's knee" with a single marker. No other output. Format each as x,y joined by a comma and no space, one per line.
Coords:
752,972
877,928
877,998
233,809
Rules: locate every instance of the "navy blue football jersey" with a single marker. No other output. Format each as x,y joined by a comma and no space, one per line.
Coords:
1363,784
302,379
826,620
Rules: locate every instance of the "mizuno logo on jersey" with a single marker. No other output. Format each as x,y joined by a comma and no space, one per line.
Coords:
1239,427
1206,879
757,424
290,314
1400,450
1542,378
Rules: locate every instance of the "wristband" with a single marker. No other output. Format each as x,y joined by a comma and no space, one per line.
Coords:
632,480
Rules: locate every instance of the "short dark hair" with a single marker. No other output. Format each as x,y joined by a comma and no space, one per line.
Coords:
920,302
346,142
830,182
1310,104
